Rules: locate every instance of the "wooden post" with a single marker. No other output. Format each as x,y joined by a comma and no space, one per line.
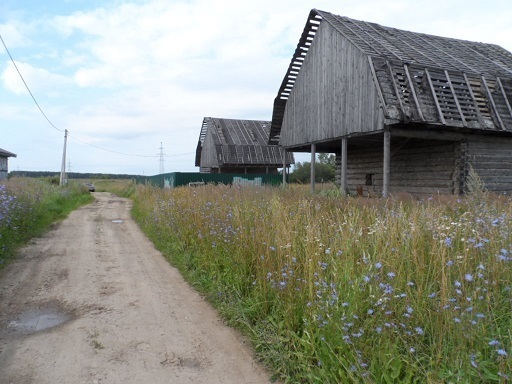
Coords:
313,158
387,159
343,180
284,167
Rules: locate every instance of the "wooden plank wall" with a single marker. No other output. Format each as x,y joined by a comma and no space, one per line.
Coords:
209,153
418,167
492,161
334,93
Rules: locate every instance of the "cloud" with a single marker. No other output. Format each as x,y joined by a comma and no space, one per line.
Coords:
40,80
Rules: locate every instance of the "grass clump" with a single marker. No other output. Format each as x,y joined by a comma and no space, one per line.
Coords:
348,290
29,206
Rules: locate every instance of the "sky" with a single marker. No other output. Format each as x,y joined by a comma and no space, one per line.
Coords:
131,80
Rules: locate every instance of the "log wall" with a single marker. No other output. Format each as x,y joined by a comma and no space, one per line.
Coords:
492,161
334,94
417,167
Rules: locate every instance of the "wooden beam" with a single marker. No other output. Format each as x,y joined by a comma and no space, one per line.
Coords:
491,99
343,183
413,91
428,135
475,104
504,95
398,93
377,85
313,159
464,122
386,161
284,167
433,90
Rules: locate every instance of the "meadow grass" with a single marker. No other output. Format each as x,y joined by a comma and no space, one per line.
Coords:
29,206
334,290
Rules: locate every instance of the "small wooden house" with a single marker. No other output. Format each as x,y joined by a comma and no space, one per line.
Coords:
402,111
4,157
238,146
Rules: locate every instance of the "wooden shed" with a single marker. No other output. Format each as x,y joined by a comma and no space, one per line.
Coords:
4,157
239,146
402,111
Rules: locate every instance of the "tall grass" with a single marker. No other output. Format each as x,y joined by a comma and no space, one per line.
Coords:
29,206
336,290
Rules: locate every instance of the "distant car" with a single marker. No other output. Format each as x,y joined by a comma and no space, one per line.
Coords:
91,187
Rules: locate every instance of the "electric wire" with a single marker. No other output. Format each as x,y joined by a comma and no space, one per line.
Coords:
26,86
60,130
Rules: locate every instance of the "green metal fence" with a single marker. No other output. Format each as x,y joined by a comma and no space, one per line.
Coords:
179,179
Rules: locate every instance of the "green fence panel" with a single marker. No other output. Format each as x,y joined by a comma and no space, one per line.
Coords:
180,179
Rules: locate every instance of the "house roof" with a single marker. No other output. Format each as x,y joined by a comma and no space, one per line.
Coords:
241,142
420,78
5,153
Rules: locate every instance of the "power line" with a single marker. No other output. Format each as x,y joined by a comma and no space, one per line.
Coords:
26,86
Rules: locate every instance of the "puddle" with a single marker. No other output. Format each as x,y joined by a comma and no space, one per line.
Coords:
40,319
118,221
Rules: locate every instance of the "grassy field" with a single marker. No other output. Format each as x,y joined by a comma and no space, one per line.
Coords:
29,206
335,290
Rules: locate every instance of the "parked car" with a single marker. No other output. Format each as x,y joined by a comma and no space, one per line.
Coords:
90,186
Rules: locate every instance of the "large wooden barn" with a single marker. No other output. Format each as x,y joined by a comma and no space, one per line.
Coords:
4,159
238,146
402,111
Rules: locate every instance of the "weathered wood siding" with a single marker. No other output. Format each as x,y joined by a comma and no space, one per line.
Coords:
209,153
417,167
334,94
491,159
3,168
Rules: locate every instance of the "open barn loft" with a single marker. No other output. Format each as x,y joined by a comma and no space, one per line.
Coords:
403,111
238,146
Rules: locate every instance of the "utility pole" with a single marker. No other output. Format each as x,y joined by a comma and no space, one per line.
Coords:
161,161
63,167
69,168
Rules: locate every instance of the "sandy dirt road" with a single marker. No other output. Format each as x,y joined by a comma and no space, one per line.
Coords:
93,302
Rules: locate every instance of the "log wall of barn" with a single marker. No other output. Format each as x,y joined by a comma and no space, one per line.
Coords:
334,93
491,159
421,167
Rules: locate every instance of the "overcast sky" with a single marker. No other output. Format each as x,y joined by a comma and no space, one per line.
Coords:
126,76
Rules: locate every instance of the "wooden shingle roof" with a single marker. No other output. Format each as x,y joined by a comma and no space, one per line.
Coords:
420,78
241,142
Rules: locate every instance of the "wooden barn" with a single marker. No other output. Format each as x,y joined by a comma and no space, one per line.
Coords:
238,146
4,157
402,111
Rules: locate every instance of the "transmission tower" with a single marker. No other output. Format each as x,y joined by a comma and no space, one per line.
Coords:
161,159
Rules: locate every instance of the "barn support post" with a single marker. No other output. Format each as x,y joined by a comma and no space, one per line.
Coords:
284,167
343,179
387,160
313,158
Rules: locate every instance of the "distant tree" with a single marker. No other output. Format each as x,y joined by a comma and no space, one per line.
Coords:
325,170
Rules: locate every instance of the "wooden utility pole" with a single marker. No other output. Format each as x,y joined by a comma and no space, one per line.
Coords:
63,167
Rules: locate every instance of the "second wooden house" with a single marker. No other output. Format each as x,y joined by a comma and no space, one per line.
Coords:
239,146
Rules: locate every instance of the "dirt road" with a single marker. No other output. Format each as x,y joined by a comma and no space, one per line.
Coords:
93,302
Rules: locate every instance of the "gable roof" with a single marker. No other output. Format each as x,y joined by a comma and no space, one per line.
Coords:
5,153
420,78
241,142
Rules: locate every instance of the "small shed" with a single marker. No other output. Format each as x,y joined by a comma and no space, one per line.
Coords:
238,146
402,111
4,157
